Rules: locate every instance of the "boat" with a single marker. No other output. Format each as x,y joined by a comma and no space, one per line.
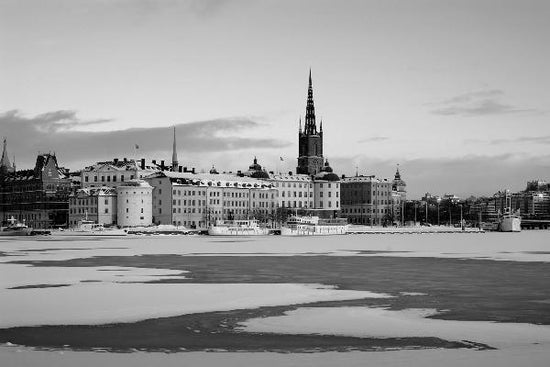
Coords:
90,228
509,222
15,228
240,227
314,226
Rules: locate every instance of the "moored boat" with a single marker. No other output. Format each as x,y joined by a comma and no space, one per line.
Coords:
509,222
90,228
15,228
314,226
241,227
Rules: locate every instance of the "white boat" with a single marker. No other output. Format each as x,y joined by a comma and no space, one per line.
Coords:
509,222
90,228
15,228
313,226
241,227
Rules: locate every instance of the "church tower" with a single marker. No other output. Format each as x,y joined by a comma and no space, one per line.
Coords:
5,166
310,140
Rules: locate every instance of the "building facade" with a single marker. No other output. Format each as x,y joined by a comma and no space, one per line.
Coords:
117,172
134,204
366,200
98,204
39,197
198,200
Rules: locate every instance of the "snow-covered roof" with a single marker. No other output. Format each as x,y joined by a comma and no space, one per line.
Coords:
208,179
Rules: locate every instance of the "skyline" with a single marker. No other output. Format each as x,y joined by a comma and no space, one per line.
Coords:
453,92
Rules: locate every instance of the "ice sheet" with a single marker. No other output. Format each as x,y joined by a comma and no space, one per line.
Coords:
383,323
98,303
524,246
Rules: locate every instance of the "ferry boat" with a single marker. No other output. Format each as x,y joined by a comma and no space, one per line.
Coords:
313,226
90,228
509,222
241,227
15,228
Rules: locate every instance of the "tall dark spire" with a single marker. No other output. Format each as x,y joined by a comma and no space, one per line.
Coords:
310,126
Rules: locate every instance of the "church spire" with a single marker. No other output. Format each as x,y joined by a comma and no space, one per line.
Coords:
174,154
5,161
310,126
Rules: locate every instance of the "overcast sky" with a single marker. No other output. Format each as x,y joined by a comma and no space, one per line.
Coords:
456,92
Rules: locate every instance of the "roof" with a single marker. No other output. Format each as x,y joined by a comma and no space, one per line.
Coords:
208,179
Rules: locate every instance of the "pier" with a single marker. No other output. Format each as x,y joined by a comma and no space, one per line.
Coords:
410,230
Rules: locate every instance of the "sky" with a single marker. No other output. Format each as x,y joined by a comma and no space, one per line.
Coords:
455,92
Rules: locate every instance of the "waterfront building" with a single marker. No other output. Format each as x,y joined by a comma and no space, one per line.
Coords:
39,196
98,204
295,191
134,203
310,140
198,200
398,197
366,200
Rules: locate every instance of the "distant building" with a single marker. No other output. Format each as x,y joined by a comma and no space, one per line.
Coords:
39,196
98,204
134,204
366,200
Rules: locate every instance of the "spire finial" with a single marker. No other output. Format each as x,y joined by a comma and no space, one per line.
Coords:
310,126
174,153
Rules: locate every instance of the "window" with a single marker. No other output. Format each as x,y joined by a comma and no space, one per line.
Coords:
121,178
106,210
106,201
85,178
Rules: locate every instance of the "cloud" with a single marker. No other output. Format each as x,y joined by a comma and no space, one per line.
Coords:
373,139
55,131
479,103
524,139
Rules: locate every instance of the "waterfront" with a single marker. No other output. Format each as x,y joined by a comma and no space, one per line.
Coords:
420,299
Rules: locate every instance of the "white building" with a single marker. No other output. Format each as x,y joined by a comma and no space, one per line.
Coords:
197,200
135,203
116,172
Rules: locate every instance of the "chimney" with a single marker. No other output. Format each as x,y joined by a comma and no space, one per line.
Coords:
142,163
290,173
115,160
180,168
193,170
154,161
162,165
185,169
125,160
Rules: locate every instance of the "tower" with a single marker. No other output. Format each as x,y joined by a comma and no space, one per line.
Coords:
174,154
5,166
310,140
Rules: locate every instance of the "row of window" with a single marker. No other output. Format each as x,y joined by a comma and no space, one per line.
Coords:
107,178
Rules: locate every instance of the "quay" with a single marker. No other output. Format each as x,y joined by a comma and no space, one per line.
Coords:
354,229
